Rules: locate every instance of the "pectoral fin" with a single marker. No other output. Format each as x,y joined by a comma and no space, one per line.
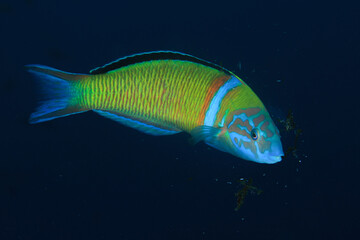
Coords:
204,133
212,136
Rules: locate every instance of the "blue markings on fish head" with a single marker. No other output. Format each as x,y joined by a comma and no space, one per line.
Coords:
253,136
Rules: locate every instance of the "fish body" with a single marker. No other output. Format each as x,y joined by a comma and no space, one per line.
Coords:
163,93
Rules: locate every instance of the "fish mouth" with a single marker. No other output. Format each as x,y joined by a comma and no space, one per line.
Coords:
274,159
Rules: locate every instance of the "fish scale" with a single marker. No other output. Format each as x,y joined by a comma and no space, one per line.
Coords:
144,97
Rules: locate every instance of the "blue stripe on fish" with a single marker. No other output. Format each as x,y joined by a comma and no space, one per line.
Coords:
214,106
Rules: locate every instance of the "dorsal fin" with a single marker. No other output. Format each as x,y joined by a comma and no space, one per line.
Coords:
149,56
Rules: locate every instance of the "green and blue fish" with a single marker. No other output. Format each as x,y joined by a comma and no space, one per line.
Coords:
163,93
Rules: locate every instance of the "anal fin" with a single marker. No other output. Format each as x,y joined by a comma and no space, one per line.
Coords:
141,126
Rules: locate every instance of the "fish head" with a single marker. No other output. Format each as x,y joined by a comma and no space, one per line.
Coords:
252,135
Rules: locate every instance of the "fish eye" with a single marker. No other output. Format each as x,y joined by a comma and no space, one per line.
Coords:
254,134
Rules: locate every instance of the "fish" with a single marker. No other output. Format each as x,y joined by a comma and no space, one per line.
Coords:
164,93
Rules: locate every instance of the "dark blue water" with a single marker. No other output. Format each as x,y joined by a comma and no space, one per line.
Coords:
87,177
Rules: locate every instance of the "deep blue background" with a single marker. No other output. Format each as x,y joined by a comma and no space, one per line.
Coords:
87,177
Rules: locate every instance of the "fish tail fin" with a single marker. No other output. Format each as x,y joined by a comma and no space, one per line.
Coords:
56,93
